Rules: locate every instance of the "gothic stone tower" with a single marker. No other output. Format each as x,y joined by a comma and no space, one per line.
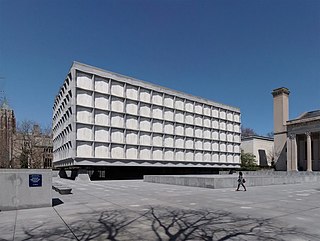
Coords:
7,130
280,118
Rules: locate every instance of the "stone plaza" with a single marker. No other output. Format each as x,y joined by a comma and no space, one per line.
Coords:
137,210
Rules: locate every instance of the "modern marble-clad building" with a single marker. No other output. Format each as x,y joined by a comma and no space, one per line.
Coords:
297,141
102,118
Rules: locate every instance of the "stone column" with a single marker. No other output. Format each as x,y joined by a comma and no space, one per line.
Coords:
292,157
309,152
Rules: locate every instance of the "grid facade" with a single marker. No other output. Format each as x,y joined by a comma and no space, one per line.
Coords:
102,118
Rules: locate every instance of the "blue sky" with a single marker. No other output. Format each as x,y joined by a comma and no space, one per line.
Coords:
234,52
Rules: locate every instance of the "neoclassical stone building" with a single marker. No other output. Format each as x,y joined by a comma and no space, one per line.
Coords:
297,141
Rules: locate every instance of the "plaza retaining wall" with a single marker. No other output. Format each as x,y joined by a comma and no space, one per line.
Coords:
230,181
25,188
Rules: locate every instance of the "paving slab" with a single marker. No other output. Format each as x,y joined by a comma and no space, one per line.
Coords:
136,210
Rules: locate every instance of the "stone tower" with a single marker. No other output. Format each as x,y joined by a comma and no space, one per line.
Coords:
280,118
7,130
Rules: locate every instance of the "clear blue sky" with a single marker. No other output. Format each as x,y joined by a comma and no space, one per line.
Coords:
234,52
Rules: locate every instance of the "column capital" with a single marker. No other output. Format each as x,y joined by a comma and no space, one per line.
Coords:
292,136
308,133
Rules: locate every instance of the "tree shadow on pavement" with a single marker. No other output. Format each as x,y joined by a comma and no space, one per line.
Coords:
166,224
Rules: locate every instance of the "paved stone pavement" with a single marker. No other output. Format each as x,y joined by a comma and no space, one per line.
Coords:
136,210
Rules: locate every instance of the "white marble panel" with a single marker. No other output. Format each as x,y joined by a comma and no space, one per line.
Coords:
189,155
222,147
168,154
101,118
179,129
223,158
145,110
236,148
215,157
207,145
236,159
101,101
215,135
145,138
236,128
207,157
101,150
157,112
131,137
223,136
189,106
84,115
206,133
117,151
179,116
189,131
101,134
117,136
229,116
198,120
131,152
84,98
189,118
236,138
222,125
145,153
222,114
168,127
236,117
168,101
198,108
198,144
157,126
215,124
145,95
117,88
132,107
84,149
198,156
101,85
168,141
230,137
117,120
84,132
215,146
229,126
157,154
132,122
198,132
117,104
215,112
179,142
189,143
157,140
132,92
179,155
84,81
157,98
145,124
207,110
207,122
168,114
179,104
229,148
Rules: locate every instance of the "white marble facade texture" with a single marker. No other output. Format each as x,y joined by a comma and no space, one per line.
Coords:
100,118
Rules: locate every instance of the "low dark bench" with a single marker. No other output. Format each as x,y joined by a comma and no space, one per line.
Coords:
61,188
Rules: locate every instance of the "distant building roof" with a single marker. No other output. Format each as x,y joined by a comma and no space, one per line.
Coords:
310,114
4,104
306,117
248,138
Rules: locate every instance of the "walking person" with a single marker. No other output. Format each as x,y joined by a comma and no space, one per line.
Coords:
241,181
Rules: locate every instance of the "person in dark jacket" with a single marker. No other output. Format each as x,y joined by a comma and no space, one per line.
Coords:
241,181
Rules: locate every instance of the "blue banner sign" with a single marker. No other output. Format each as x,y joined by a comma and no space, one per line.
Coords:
35,180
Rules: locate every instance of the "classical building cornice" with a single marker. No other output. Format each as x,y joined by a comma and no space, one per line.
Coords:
280,91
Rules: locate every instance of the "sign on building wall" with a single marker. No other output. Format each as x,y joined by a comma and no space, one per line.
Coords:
35,180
